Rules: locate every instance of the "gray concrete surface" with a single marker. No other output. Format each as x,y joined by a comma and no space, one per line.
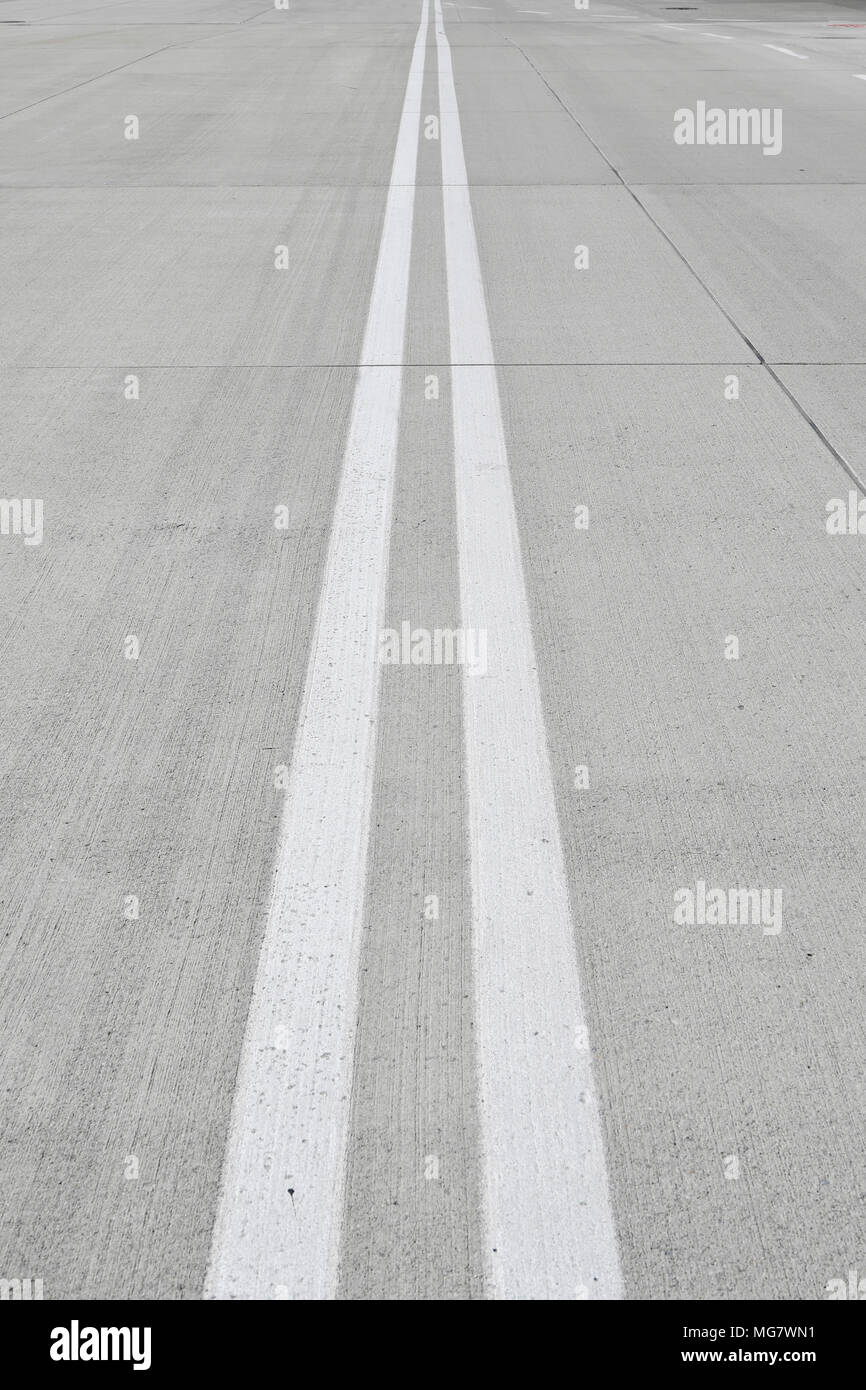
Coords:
120,1039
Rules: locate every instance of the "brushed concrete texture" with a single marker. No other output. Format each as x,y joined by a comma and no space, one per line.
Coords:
140,798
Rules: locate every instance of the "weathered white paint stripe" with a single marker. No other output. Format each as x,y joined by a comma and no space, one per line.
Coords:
789,51
289,1120
549,1227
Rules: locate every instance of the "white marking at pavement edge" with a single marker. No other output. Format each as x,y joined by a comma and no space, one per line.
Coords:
290,1112
547,1206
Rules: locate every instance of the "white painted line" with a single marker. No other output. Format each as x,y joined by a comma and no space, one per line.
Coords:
861,75
681,27
790,52
728,38
533,12
290,1113
549,1228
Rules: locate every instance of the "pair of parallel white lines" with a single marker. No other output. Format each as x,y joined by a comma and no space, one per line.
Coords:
549,1231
